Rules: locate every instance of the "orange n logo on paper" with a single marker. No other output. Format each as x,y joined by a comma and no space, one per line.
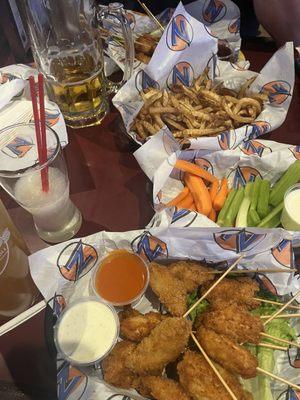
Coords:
296,151
205,164
182,73
245,174
213,11
251,147
283,253
144,81
227,140
70,379
257,129
76,260
18,147
52,117
234,26
237,240
277,91
149,247
179,33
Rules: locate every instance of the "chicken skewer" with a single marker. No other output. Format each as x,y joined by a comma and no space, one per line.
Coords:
212,287
232,395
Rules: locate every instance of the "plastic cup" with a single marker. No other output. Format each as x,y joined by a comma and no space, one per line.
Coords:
55,216
290,217
133,301
86,331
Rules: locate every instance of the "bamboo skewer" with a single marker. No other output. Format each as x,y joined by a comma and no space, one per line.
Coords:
257,271
292,315
278,378
232,395
212,287
281,340
281,308
271,346
151,16
277,303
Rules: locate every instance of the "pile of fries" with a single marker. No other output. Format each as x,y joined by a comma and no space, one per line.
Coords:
204,109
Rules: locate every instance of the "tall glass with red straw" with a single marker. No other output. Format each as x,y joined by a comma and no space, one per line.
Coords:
34,173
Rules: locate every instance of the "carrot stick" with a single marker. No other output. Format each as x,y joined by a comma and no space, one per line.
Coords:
195,170
214,190
199,192
212,215
186,202
179,197
221,195
193,207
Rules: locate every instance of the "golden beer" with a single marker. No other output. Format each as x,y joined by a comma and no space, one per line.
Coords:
18,291
79,89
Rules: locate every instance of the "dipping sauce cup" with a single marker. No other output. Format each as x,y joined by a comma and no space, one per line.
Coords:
290,217
86,331
121,278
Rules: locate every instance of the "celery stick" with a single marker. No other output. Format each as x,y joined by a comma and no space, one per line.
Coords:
234,208
241,219
263,198
273,218
253,217
221,216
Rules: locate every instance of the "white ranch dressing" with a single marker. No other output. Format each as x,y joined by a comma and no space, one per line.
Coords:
290,218
87,331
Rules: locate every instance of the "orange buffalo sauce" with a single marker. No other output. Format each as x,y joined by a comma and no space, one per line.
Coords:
121,277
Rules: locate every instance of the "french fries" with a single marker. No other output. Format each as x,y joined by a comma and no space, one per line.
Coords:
204,109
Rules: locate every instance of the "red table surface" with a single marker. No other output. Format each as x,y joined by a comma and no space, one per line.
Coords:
113,194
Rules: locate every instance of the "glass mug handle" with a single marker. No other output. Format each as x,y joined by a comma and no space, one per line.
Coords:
116,10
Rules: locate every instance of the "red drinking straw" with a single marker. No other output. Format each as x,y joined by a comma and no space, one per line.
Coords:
40,129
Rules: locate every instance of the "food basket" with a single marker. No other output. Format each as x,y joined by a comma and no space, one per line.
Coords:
59,279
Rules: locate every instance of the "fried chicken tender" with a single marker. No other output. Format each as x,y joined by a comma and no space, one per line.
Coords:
231,356
170,290
114,370
161,388
162,346
135,325
234,322
200,381
191,273
240,291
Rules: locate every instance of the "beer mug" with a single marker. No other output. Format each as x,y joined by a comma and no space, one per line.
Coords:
66,41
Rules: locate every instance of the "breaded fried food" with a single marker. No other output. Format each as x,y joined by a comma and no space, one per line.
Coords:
231,356
114,370
234,322
162,346
135,325
240,291
170,290
161,388
191,273
200,381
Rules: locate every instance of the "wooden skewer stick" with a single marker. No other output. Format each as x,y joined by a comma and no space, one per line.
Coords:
292,315
151,16
281,308
232,395
278,378
280,340
276,303
257,271
213,286
271,346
